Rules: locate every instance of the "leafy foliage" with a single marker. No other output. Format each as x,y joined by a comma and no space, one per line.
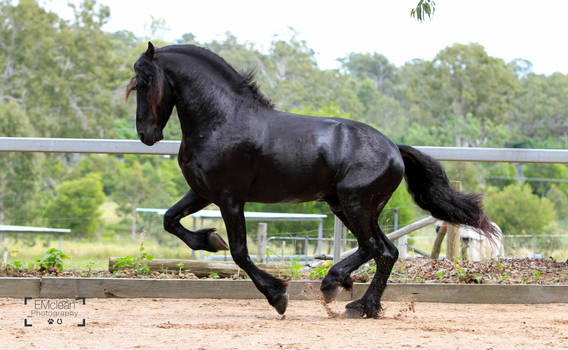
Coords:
423,8
546,171
321,271
402,202
136,263
52,261
501,175
76,204
518,211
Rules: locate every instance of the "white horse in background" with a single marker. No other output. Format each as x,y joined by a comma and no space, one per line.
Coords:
476,247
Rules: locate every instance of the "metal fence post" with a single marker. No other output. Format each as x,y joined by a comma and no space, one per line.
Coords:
4,249
320,236
133,228
262,229
194,229
336,239
402,242
201,228
395,219
402,246
453,238
306,248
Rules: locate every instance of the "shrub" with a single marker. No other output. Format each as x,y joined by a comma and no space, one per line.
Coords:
518,211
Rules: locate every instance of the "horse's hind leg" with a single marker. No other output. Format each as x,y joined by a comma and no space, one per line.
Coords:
361,208
206,239
273,288
339,275
385,255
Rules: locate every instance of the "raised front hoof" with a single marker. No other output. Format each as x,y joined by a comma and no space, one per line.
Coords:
330,293
214,241
281,303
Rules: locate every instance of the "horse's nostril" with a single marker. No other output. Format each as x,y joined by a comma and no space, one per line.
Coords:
141,135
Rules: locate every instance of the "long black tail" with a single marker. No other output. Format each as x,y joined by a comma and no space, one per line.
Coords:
429,186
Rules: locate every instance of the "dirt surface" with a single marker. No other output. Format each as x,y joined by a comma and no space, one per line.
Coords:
253,324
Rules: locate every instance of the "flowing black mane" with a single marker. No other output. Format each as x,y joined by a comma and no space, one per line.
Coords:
243,82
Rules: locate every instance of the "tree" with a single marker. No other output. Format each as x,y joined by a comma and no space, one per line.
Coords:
542,110
518,211
462,82
383,112
147,182
467,173
76,205
373,66
544,172
62,73
560,200
296,81
105,166
17,170
501,175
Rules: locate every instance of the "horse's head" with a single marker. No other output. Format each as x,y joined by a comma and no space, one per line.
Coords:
154,97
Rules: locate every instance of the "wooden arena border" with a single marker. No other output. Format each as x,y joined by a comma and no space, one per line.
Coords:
66,287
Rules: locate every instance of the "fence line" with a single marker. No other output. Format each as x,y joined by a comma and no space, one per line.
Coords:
60,145
470,154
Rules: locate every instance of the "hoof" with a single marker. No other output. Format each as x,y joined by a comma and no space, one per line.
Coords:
361,309
353,313
354,310
215,241
329,294
281,303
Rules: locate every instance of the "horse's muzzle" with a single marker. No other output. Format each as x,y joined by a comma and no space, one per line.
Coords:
150,138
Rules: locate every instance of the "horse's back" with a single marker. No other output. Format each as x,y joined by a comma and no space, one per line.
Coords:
308,157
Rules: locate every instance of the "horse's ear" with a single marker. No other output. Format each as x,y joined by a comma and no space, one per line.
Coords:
150,51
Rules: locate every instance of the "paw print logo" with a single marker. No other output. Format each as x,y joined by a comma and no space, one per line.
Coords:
50,321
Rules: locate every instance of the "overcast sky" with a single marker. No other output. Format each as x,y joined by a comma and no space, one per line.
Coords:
532,30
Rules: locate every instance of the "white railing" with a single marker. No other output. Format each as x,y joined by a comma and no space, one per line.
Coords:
470,154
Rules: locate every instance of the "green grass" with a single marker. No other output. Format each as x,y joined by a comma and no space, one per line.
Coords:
84,253
95,252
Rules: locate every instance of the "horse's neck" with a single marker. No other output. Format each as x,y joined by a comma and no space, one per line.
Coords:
202,102
198,110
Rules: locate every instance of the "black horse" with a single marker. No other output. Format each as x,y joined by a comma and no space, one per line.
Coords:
236,148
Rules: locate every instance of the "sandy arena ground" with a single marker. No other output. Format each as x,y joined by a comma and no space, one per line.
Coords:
253,324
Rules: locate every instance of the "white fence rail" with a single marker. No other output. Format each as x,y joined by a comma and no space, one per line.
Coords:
470,154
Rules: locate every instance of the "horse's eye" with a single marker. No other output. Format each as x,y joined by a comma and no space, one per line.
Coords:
141,84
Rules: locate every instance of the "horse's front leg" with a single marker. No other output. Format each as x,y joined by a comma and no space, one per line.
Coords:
273,288
205,239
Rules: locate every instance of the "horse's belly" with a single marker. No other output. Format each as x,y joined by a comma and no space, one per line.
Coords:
285,197
289,190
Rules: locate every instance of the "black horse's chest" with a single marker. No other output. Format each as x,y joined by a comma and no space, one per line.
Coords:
211,170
